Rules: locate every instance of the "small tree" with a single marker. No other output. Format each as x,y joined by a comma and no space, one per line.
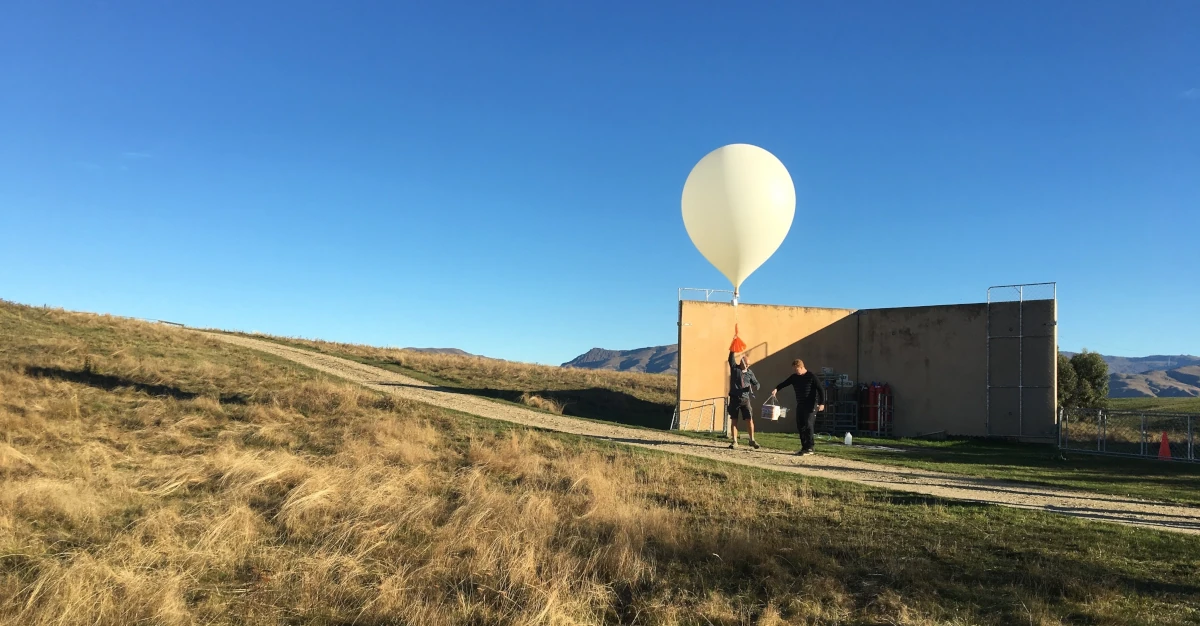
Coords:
1091,373
1067,382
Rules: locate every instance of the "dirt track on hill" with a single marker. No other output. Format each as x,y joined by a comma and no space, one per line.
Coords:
1103,507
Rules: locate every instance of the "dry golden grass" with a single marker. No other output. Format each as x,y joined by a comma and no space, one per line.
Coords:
538,402
179,480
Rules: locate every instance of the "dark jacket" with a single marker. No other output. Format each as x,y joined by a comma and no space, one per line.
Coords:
740,383
809,392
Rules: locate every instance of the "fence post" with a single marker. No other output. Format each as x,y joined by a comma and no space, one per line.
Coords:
1191,455
1143,435
1062,428
1101,431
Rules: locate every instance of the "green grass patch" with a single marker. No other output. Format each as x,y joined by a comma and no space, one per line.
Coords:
1169,405
1042,464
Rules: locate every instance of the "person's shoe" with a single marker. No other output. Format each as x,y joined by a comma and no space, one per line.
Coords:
754,444
807,452
733,445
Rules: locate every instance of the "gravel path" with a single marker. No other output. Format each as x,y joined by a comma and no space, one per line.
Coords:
1109,508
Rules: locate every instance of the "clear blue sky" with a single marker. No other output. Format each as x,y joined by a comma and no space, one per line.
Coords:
507,180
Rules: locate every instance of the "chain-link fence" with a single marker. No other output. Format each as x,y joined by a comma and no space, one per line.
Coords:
1130,433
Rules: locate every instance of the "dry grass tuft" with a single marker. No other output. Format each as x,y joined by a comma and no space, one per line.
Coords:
15,463
538,402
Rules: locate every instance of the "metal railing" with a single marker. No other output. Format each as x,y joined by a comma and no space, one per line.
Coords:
1129,433
702,415
708,293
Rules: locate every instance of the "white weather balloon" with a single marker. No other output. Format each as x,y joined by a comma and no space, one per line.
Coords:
738,205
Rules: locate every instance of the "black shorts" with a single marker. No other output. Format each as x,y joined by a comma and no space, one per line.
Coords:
739,407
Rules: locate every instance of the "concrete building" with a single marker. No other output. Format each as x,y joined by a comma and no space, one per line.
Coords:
970,369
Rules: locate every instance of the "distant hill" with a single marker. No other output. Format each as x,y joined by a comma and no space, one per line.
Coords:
653,360
1145,364
454,351
1183,382
1155,376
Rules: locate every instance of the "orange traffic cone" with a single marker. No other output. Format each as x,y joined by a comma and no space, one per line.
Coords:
1164,448
738,345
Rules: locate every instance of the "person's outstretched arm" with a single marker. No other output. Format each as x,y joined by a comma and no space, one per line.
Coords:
790,380
732,363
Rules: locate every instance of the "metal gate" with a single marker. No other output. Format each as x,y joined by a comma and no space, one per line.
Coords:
1165,436
702,415
1021,334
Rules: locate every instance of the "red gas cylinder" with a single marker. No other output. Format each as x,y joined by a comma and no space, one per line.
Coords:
872,421
885,413
864,392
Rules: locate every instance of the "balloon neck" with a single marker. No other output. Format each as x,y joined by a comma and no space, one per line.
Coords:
735,296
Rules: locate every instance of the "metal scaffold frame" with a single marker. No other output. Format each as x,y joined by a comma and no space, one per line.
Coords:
1020,338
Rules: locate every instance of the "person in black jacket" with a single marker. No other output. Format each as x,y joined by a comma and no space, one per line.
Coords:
742,383
810,398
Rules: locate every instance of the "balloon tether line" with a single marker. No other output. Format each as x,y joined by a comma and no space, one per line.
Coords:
737,345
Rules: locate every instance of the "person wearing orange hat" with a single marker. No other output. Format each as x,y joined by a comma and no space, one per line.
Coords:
742,385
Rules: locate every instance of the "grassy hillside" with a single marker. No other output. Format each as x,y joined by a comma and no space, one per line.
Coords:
153,475
628,397
1040,464
633,398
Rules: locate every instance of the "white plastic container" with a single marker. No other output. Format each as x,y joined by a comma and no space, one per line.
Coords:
849,439
772,411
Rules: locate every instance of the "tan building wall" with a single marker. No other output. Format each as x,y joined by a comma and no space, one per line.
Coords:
935,359
774,335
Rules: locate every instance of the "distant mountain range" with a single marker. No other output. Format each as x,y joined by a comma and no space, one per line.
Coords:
1145,364
454,351
1181,382
1129,377
1156,376
653,360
